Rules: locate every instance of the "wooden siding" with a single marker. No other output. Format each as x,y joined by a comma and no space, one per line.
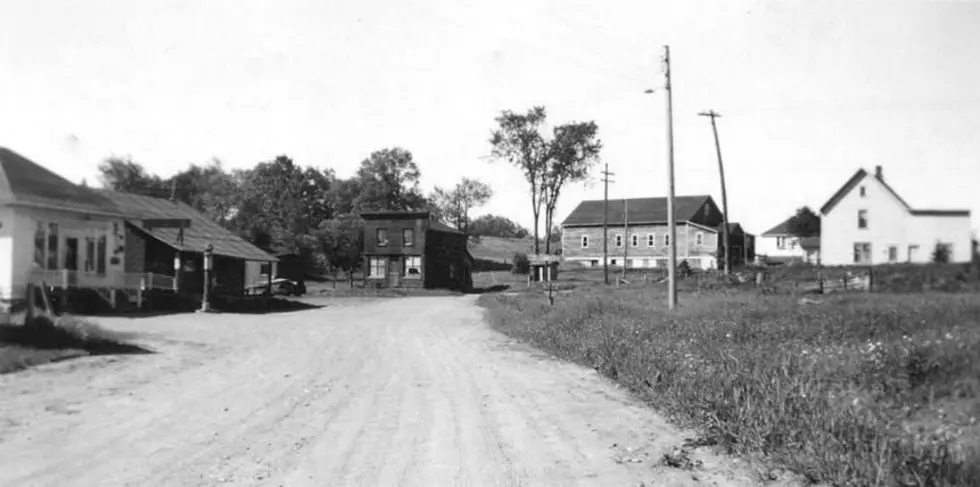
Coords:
135,260
686,241
445,262
396,246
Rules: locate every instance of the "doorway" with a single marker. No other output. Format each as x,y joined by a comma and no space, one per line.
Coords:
71,253
394,271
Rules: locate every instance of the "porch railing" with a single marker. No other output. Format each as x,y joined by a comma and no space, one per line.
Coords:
66,278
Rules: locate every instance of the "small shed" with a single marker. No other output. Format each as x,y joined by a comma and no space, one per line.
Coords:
543,268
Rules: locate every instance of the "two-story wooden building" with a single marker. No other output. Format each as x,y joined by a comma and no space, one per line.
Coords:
638,236
409,249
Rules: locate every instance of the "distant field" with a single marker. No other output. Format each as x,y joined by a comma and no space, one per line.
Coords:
499,249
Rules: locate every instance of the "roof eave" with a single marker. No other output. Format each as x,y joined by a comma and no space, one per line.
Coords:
83,211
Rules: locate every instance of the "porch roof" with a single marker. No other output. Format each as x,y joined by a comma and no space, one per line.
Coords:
203,230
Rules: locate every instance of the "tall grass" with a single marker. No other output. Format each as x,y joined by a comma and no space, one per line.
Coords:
868,389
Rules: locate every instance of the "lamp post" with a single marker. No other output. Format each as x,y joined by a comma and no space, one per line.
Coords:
205,306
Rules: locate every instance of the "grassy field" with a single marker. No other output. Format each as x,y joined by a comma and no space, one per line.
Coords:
500,249
855,389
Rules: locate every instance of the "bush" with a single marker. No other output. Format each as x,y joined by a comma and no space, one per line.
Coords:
521,264
940,253
855,390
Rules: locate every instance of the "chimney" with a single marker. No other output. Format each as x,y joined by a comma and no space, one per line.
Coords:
878,172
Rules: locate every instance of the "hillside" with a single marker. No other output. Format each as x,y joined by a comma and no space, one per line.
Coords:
499,249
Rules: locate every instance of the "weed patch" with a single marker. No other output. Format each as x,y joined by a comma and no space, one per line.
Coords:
866,389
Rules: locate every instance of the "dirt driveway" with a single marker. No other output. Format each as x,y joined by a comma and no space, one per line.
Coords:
401,392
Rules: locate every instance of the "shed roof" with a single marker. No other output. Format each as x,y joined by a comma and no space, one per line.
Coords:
203,230
641,210
25,182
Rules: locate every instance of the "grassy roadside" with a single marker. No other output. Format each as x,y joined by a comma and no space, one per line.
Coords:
866,389
26,346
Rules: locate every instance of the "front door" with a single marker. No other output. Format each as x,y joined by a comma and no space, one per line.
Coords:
394,271
71,253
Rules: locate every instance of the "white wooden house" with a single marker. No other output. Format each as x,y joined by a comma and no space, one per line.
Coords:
866,222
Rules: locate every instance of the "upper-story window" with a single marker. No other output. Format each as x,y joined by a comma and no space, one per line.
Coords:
382,237
780,243
864,191
699,238
585,241
651,240
619,240
667,240
862,218
635,240
408,237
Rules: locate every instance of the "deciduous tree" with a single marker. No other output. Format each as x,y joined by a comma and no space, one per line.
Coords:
573,151
454,204
389,180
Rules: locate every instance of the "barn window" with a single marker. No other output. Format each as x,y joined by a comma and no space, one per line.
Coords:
585,241
382,236
699,238
667,240
619,240
413,266
408,237
376,269
634,240
651,240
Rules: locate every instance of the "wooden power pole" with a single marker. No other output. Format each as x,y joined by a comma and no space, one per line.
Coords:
671,223
724,196
605,223
626,235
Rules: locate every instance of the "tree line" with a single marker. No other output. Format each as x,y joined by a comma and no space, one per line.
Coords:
281,206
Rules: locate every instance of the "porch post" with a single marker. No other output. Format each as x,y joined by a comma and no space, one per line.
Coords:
268,284
177,267
64,279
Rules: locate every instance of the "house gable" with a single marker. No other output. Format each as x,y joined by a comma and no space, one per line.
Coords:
25,182
859,177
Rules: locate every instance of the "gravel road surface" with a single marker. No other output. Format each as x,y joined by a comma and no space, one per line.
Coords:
397,392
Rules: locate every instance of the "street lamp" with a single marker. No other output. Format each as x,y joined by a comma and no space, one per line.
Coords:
208,262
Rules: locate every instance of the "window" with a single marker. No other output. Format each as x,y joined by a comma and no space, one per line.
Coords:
89,254
594,262
382,237
913,250
52,245
39,239
100,256
645,263
862,218
892,254
667,240
408,237
265,269
863,192
612,262
635,240
699,238
413,266
376,268
651,239
619,240
585,241
862,253
781,243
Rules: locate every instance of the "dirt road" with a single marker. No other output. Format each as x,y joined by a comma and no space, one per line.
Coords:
402,392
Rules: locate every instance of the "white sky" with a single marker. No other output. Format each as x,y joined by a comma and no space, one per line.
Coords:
809,91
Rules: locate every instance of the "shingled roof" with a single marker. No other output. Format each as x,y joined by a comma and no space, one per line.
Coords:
203,230
641,210
27,183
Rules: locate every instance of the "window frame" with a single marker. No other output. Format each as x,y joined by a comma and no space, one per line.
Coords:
651,240
375,263
862,249
618,240
634,240
378,232
667,240
406,266
863,191
699,239
862,223
585,241
408,237
893,253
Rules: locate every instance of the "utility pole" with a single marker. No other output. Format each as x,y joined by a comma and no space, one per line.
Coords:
605,223
626,235
671,224
724,196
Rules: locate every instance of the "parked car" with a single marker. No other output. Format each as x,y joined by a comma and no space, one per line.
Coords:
280,287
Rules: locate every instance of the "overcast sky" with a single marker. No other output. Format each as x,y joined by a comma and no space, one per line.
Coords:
809,91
